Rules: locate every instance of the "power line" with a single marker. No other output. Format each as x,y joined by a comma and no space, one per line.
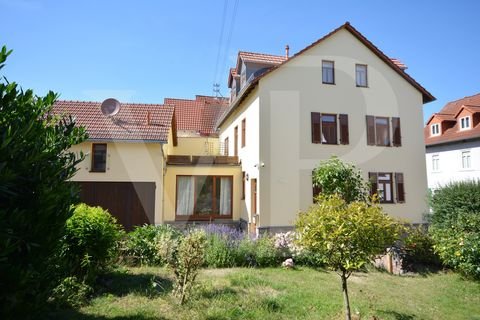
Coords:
227,47
220,40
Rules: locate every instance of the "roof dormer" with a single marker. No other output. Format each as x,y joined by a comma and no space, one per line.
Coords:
468,116
440,122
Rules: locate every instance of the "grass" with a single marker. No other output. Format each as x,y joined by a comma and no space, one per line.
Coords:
144,294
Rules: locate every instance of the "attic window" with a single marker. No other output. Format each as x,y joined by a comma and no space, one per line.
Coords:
464,123
435,129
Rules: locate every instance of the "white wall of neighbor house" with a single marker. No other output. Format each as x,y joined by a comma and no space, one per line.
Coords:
248,155
447,163
126,162
289,95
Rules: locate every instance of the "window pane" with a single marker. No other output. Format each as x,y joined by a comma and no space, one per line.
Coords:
385,187
382,132
327,72
361,75
223,195
99,162
329,129
185,194
204,193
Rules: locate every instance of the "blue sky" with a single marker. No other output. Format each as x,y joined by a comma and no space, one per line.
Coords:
143,51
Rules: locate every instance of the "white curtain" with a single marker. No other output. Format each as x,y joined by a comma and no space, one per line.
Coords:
185,190
225,196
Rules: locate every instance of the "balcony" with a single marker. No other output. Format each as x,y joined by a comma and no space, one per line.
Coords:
202,160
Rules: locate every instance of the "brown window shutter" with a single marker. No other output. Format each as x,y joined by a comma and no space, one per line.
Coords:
372,177
400,187
343,119
397,135
370,130
316,132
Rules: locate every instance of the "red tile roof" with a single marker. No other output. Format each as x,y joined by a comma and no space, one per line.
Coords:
130,123
199,116
449,112
427,96
261,57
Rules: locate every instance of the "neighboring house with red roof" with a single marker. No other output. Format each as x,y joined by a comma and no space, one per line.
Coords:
249,159
452,141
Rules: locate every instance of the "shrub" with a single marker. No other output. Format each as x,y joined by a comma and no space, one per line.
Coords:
151,245
186,262
417,249
455,226
70,293
459,245
222,245
452,199
35,195
245,253
90,242
266,255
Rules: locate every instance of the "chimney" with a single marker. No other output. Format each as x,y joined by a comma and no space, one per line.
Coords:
287,50
148,118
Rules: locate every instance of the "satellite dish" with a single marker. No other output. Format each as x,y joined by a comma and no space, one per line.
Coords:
110,107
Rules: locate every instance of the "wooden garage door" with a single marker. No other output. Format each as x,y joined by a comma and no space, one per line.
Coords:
132,203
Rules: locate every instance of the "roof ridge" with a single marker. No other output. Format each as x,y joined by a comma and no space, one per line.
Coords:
466,97
265,54
123,103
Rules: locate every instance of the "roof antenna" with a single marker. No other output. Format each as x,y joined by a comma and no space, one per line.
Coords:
216,90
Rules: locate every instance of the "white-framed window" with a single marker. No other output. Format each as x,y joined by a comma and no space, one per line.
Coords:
361,75
435,129
328,72
465,123
466,159
435,162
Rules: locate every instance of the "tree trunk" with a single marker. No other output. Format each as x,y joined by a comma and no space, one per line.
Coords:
345,296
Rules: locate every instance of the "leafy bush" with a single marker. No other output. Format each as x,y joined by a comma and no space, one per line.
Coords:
334,176
418,250
186,262
245,254
35,195
71,293
151,245
455,226
451,200
459,245
90,242
266,255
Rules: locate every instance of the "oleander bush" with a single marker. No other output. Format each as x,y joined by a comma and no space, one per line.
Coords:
90,243
150,245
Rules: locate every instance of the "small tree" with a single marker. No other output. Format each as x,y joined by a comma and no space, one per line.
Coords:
346,235
334,176
187,261
35,195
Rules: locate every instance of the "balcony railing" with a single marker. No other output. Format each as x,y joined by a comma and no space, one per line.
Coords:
202,160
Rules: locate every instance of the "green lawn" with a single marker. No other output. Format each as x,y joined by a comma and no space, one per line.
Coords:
282,294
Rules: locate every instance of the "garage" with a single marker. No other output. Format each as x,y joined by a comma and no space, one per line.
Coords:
132,203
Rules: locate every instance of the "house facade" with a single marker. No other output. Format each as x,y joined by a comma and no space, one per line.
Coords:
452,141
339,96
249,159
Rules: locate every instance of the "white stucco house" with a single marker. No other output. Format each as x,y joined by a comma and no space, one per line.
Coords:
452,141
338,96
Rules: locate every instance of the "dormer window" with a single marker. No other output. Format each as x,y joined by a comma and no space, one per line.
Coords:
464,123
435,129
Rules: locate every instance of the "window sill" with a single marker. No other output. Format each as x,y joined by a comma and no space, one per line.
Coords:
362,86
330,83
97,171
